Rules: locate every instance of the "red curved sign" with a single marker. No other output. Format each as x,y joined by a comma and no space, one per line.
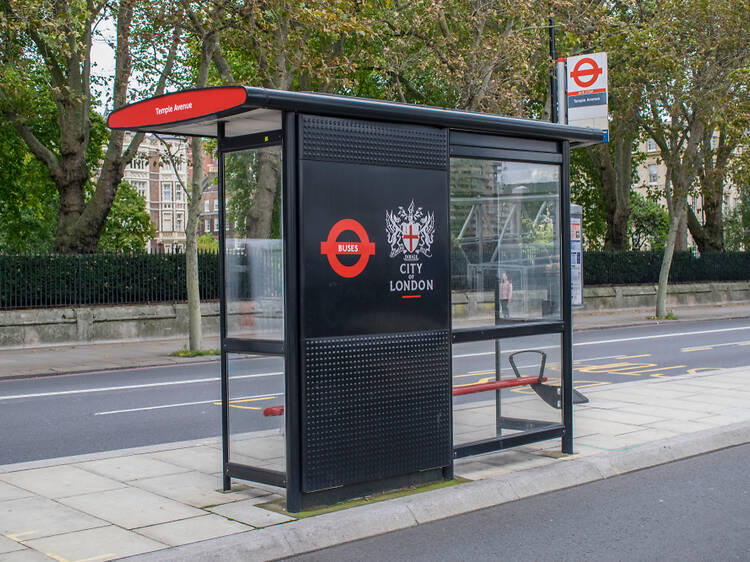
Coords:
179,106
333,248
578,73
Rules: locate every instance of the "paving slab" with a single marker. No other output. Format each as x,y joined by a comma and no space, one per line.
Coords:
131,507
246,512
25,555
60,481
104,543
203,459
616,416
8,545
10,492
191,530
133,467
195,488
626,441
29,518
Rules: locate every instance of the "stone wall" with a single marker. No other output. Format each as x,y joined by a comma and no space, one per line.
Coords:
28,328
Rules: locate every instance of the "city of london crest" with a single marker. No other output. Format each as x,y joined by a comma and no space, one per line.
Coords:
410,232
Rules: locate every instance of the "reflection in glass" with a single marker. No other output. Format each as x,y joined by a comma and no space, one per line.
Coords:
481,415
254,276
505,252
256,418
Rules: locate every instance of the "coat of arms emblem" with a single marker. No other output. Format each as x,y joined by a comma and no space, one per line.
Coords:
410,231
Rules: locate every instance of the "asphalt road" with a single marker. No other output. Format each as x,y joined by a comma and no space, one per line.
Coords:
55,416
694,509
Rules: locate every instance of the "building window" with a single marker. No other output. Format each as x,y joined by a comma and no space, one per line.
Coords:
138,164
207,225
216,204
166,222
166,188
177,192
140,187
178,222
206,205
653,175
651,145
216,225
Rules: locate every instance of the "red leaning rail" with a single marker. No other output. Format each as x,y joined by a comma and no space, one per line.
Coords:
494,385
458,391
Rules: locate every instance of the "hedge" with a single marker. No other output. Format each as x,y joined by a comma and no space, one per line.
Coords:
622,268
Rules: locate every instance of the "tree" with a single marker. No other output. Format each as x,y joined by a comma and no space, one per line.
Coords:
714,172
128,226
648,223
472,55
54,38
689,56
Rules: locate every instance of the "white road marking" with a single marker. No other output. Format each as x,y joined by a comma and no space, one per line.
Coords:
146,408
132,386
462,356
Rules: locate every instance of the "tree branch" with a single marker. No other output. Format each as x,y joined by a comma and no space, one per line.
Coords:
37,148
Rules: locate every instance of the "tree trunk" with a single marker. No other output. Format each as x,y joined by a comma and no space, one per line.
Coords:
195,335
615,179
260,215
679,206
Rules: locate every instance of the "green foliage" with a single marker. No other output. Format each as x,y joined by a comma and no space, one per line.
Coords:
128,227
648,224
620,268
207,243
586,191
28,198
241,173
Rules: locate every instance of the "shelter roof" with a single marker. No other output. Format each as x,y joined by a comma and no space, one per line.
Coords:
245,110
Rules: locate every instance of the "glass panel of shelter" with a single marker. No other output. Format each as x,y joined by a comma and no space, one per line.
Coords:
253,249
505,272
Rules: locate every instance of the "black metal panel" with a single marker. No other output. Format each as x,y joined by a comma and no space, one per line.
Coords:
368,142
496,141
264,475
512,330
395,290
502,154
238,345
375,407
515,440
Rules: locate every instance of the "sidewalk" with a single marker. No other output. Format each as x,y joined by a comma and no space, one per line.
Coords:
122,355
164,503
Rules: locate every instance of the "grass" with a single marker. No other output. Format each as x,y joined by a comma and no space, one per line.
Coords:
278,505
185,352
669,316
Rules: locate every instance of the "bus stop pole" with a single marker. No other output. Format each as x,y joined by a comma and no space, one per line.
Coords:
567,315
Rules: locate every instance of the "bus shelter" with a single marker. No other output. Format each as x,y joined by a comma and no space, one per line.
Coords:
395,284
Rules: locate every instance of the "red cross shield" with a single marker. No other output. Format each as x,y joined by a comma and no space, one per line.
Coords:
410,234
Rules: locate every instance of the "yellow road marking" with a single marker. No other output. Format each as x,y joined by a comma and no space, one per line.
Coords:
625,368
634,356
689,349
474,374
744,343
234,403
699,369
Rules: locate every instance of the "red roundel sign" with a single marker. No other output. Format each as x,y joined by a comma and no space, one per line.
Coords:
333,248
586,72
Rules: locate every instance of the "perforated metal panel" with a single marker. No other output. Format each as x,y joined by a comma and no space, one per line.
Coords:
375,407
367,142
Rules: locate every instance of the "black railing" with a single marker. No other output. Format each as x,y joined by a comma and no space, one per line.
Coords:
57,280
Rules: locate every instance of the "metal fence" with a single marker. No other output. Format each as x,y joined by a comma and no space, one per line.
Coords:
57,280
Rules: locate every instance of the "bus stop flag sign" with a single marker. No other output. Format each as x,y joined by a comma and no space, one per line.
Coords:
587,91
